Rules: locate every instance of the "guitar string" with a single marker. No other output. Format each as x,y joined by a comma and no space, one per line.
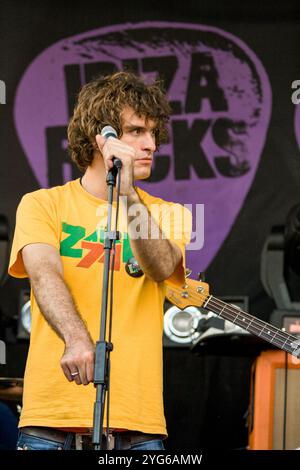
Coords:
214,302
279,336
257,326
218,303
230,310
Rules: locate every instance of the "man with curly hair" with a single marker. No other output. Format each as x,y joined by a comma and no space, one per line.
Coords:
58,244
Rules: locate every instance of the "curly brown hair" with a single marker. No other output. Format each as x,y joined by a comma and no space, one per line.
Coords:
101,102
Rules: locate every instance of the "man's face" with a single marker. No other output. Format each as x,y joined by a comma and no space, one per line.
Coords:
139,134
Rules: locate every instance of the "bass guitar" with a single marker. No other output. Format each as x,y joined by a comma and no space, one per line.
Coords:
196,293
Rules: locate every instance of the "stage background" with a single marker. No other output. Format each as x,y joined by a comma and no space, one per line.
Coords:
206,397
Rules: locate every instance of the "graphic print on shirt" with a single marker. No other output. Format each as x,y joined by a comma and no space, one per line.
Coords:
90,248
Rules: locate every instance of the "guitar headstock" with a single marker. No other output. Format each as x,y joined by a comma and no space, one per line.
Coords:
191,293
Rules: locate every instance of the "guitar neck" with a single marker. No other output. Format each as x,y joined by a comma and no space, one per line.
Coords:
257,327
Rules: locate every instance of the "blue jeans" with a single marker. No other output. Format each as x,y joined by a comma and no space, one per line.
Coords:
26,442
8,428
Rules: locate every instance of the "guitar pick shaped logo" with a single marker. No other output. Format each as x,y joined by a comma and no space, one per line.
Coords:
220,97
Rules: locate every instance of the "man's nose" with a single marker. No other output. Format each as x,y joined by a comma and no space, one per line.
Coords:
149,141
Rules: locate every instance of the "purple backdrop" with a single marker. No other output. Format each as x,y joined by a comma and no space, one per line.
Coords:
221,100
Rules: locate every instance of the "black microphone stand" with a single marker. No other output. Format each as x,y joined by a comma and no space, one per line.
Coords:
103,348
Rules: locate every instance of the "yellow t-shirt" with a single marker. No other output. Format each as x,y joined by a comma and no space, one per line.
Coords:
72,220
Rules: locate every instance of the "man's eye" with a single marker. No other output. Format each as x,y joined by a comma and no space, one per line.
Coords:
136,131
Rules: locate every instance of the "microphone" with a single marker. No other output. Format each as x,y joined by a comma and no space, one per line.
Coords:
109,131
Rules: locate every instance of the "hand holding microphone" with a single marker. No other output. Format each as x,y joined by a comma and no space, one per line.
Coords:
119,154
109,131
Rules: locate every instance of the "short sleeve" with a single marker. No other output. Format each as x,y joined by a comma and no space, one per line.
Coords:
36,222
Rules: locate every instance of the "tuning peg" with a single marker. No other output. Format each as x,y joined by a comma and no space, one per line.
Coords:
188,272
201,276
